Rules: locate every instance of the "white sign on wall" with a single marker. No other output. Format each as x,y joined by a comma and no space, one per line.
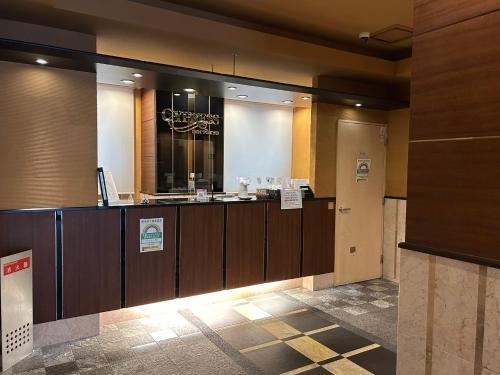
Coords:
151,235
291,199
363,169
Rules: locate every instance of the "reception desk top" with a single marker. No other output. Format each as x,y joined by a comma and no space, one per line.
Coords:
167,201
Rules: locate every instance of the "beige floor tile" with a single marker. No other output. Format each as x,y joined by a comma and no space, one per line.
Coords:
311,349
345,367
361,350
163,335
312,366
251,312
280,329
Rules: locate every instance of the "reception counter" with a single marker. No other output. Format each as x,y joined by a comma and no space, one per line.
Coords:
86,260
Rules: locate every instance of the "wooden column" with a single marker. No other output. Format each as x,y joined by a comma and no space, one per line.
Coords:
454,153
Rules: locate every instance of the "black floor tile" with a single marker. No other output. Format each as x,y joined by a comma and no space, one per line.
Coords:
341,340
306,321
245,335
277,306
278,358
62,369
379,361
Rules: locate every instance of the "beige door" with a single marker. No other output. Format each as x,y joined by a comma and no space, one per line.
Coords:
360,193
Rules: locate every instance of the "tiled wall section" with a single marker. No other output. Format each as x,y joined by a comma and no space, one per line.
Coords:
394,233
449,317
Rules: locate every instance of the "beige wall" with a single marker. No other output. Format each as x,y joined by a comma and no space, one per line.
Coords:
301,142
397,152
325,117
48,137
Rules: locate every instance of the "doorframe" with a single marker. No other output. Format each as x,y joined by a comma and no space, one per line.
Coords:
383,189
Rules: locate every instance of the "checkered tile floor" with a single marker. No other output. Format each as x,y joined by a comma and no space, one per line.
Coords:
278,333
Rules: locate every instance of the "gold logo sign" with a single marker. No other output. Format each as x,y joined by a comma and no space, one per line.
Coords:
197,123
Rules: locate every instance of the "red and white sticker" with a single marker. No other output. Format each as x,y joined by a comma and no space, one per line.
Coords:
16,266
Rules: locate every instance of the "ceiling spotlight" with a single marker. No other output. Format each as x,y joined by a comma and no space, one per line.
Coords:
232,88
42,61
305,98
359,105
137,75
288,101
177,94
189,90
242,96
127,81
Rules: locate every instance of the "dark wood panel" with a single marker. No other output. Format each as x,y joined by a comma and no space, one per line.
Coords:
456,81
36,231
283,242
245,231
453,201
318,236
200,249
91,261
434,14
149,277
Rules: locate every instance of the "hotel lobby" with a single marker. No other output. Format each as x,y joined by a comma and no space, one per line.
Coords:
263,187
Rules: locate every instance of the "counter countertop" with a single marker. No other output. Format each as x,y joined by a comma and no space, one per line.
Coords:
157,203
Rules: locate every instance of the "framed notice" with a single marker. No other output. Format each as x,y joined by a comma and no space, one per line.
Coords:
151,235
363,169
291,199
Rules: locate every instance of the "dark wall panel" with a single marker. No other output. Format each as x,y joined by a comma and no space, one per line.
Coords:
91,261
318,237
150,277
456,81
200,249
284,243
432,14
453,196
36,231
245,231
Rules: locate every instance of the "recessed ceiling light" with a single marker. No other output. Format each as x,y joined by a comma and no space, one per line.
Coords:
359,105
242,96
305,98
189,90
137,75
127,81
232,88
177,94
41,61
288,101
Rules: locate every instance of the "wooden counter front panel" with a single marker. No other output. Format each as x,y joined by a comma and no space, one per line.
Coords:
200,249
91,261
245,231
318,237
149,277
35,231
283,243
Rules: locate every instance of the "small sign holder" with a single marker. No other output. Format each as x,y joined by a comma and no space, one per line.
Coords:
16,290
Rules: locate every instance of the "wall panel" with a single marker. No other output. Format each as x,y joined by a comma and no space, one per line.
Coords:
48,137
456,81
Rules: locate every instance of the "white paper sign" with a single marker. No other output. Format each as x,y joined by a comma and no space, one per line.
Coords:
151,235
291,199
111,187
363,169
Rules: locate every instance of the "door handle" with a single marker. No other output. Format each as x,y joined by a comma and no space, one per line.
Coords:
344,210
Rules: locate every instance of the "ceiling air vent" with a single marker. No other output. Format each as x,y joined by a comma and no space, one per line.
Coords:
392,34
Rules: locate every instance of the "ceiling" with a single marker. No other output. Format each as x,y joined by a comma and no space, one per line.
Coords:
308,39
326,21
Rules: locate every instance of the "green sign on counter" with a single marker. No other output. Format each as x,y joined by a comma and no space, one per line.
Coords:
151,235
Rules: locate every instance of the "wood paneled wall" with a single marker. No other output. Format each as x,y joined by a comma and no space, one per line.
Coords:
454,152
148,141
48,137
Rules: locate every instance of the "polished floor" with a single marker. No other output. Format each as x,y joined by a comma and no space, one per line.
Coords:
344,330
